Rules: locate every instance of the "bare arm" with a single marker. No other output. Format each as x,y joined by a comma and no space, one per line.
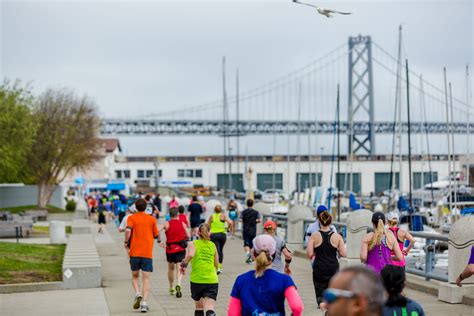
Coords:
310,248
341,247
186,230
393,245
364,249
410,238
466,273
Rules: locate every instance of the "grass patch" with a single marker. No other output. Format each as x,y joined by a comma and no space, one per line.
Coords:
22,263
45,229
18,209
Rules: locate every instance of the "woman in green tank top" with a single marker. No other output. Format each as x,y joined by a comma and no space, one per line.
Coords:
218,232
202,254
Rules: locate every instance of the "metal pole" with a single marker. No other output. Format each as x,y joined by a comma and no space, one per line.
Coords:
224,125
468,127
338,157
453,159
237,120
156,175
298,143
409,133
449,139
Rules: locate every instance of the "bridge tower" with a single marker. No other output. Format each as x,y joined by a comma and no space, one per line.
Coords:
361,95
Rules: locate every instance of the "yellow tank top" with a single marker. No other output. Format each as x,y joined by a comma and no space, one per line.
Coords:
217,226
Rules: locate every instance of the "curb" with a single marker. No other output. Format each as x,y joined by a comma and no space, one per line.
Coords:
30,287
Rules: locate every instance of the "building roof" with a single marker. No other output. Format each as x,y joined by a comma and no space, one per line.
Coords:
110,144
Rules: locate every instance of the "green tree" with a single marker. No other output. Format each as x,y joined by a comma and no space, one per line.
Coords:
67,138
17,129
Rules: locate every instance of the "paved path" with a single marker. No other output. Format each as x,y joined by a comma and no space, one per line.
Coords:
115,298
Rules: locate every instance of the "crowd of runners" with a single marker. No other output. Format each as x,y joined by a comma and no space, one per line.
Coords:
194,243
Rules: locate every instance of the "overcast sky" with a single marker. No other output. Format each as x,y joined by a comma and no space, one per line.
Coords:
139,57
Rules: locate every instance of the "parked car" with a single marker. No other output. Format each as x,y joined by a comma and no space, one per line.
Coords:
274,196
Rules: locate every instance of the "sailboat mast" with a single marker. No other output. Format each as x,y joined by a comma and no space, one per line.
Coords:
237,118
409,132
224,125
453,159
449,139
399,119
338,156
468,126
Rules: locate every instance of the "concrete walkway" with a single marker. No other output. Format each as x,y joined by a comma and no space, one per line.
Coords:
115,298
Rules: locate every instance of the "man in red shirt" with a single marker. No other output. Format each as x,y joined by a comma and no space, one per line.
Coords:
139,237
177,235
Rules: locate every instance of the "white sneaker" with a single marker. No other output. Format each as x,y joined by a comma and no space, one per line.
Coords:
137,301
144,308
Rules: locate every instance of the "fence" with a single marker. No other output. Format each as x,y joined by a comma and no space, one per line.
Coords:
426,269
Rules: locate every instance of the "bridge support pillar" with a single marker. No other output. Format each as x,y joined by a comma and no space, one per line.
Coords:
295,231
357,224
461,239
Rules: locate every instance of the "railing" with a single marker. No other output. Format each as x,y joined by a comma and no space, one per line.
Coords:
280,220
431,240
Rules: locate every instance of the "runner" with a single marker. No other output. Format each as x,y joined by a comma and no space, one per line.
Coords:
468,270
176,241
92,203
322,249
157,202
377,246
151,209
281,248
393,279
182,217
315,226
123,224
401,236
139,235
202,254
250,218
101,217
173,203
233,215
218,232
263,291
195,210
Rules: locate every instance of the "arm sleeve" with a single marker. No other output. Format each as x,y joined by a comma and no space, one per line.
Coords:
294,301
235,307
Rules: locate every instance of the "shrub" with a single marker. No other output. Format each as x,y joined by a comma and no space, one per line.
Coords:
71,206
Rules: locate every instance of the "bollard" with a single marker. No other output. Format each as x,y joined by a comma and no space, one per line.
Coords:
57,232
357,224
264,210
461,239
296,216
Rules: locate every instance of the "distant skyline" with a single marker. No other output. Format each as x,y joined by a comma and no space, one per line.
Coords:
140,57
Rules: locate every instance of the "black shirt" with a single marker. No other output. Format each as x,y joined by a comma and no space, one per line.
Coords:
249,219
195,210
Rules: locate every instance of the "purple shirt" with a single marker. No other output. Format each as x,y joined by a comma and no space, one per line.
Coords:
471,260
379,256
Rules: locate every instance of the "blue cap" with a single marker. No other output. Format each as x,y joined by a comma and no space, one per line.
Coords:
321,209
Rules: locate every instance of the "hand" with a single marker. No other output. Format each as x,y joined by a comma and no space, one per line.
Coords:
287,270
182,270
323,306
405,252
162,245
458,281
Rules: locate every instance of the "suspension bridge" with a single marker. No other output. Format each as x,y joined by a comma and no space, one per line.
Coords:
304,102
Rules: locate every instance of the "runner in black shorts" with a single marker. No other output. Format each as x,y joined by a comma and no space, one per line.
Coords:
250,218
195,211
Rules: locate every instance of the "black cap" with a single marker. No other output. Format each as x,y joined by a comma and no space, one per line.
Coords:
376,216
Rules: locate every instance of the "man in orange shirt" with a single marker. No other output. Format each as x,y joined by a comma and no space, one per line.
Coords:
139,238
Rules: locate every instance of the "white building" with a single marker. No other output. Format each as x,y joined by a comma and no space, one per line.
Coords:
370,174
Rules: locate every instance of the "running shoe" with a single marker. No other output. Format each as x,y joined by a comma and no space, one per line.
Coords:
219,271
144,308
137,301
171,290
178,291
249,259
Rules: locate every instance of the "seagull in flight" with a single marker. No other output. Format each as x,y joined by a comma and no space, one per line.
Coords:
326,12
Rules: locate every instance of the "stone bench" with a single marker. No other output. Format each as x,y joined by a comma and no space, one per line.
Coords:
8,228
81,265
81,226
37,215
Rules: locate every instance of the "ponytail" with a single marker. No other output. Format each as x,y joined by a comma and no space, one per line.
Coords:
325,218
262,261
204,231
378,234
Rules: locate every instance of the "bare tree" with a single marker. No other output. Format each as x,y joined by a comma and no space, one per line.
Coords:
66,139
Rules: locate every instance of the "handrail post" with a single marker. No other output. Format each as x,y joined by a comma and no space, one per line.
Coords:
429,257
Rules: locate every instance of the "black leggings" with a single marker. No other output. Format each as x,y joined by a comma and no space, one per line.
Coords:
219,240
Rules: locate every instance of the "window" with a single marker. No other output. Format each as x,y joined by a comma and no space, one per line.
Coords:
126,174
150,173
234,183
189,173
268,181
427,178
180,173
118,174
382,181
140,174
306,181
198,173
343,182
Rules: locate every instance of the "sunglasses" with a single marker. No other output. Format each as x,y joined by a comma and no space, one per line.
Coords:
331,295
